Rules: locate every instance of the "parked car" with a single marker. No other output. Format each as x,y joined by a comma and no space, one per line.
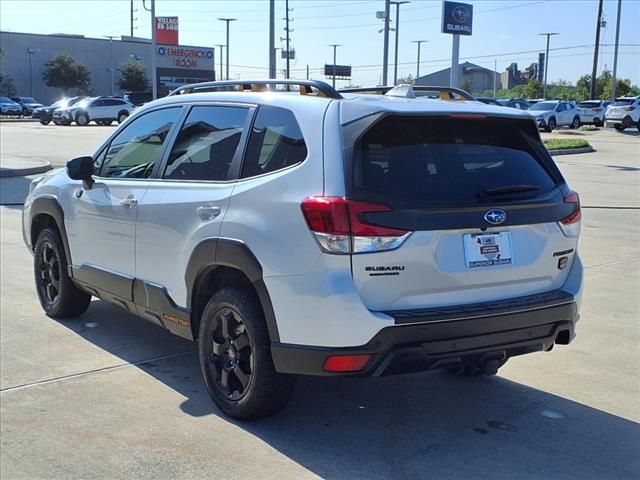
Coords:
45,114
555,113
317,233
138,98
9,107
518,103
623,113
533,101
489,101
28,104
102,110
592,112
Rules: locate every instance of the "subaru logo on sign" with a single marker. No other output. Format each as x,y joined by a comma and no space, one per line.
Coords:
495,216
461,14
161,51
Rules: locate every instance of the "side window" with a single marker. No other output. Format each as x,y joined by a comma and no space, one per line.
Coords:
207,143
96,103
136,149
275,142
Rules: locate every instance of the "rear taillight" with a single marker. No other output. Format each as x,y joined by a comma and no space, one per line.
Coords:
570,225
346,363
597,109
339,226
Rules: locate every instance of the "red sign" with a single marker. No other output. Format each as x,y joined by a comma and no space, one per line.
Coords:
167,30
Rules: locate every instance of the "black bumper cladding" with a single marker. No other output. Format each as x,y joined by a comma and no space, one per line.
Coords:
448,337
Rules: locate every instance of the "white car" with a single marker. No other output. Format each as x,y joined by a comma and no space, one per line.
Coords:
317,233
592,112
550,114
624,113
102,110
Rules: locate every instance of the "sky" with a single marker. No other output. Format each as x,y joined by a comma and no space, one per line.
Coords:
504,31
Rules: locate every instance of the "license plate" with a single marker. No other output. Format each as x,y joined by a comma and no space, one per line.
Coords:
487,249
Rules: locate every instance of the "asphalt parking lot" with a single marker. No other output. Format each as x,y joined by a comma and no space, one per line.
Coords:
110,396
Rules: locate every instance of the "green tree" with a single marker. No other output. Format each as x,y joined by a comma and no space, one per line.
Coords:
623,87
7,89
134,77
533,89
62,71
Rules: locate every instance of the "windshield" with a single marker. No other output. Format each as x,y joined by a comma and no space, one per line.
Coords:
623,101
543,106
84,103
5,100
29,100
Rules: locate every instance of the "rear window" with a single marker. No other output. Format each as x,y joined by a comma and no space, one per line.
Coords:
435,160
623,101
588,104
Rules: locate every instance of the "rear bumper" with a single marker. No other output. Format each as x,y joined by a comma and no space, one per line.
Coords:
446,339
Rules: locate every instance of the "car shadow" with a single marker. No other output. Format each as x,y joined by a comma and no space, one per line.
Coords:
426,425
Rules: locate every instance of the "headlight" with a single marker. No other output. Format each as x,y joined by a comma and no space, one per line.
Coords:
35,183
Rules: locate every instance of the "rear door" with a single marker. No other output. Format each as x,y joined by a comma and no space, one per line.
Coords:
480,201
188,202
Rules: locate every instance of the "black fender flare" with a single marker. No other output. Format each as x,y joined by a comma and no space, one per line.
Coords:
225,252
48,205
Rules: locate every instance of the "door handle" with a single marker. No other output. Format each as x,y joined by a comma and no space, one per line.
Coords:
129,202
207,212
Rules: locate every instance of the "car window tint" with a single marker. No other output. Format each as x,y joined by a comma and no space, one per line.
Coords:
430,161
275,142
136,149
207,143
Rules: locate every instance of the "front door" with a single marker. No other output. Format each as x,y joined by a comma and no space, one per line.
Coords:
101,223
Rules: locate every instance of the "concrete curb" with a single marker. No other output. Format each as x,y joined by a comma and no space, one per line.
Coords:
22,172
571,151
16,119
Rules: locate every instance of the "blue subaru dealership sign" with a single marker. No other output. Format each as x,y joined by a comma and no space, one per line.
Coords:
457,18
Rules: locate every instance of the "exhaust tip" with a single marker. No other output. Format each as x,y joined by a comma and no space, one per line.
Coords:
563,337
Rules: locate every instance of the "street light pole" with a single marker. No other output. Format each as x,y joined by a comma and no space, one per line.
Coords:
154,50
418,62
335,46
395,63
31,51
615,54
385,55
594,71
227,20
220,47
546,62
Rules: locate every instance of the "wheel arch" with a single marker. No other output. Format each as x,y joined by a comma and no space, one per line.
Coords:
220,262
47,212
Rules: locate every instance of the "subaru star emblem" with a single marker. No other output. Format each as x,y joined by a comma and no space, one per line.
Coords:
495,216
460,14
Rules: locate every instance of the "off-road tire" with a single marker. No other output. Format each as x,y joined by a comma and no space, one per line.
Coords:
266,391
551,125
122,116
575,123
50,262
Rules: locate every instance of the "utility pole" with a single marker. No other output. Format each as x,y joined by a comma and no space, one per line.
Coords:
385,56
546,62
615,53
154,78
131,18
220,47
286,28
495,76
227,20
31,51
272,39
307,71
335,46
395,62
454,80
418,62
594,71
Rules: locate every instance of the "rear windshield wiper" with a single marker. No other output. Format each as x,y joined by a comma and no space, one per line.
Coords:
507,189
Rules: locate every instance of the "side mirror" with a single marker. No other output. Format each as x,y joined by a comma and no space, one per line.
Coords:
81,168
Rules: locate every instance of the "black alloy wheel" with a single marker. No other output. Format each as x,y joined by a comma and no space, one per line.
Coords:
48,280
230,354
576,122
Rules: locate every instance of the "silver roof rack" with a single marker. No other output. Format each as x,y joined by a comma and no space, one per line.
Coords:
406,91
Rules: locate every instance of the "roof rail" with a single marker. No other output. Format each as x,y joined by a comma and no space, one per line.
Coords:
305,87
444,93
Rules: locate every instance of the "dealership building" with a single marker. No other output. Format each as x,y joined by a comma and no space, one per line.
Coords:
24,56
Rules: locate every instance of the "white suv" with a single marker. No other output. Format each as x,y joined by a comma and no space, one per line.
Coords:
102,110
550,114
623,113
313,232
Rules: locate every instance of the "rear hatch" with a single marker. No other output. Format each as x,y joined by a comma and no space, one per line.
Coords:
479,210
590,108
620,108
